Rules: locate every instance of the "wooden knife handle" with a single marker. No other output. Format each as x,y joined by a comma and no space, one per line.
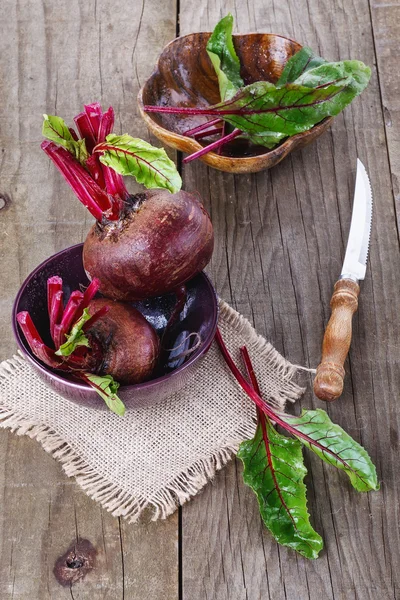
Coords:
328,383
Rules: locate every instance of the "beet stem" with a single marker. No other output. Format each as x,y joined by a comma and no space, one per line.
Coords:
199,128
95,317
87,190
207,133
71,313
86,131
56,312
32,336
54,285
213,146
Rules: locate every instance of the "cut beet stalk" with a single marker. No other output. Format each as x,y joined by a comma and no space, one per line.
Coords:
94,114
94,167
90,292
106,125
201,127
54,285
87,190
56,312
97,315
72,312
38,347
217,144
86,130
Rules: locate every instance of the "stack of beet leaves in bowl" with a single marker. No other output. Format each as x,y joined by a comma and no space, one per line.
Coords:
141,247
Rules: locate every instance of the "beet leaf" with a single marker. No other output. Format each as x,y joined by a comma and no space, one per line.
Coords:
149,165
262,107
297,64
336,447
76,337
314,429
107,388
274,469
223,56
56,130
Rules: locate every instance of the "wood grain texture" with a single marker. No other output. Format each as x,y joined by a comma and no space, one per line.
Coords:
275,261
54,57
282,236
328,382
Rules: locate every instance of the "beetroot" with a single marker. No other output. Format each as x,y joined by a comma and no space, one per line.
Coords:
143,245
95,340
161,241
129,346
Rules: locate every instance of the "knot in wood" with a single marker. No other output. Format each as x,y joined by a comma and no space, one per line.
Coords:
75,563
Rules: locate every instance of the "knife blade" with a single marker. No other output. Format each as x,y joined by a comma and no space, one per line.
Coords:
328,383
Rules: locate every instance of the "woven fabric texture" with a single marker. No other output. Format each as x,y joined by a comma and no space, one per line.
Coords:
160,456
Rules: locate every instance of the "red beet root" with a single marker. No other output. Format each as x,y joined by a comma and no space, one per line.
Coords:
128,344
160,242
141,246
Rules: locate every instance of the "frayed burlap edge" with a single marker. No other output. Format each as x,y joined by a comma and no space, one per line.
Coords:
189,482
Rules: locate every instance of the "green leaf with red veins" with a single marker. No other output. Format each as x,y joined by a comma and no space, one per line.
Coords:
107,388
56,130
274,469
319,93
297,64
149,165
336,447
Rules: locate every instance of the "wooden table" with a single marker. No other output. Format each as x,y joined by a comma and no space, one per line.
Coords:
280,239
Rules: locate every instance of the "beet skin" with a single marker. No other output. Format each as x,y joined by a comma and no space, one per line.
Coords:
128,344
161,241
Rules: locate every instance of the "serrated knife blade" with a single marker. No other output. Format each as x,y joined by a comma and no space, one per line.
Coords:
328,383
355,260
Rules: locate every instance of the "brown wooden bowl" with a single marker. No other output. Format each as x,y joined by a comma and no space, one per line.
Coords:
184,77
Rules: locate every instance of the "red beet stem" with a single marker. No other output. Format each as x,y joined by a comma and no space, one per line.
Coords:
213,146
209,132
56,312
94,114
86,130
38,347
250,370
90,292
201,127
72,312
54,285
87,190
94,167
106,125
244,384
73,133
95,317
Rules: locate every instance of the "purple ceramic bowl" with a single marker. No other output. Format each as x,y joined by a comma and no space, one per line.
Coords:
200,316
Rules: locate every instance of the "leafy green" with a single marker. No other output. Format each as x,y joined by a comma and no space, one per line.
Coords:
274,469
133,156
336,447
76,337
56,130
296,107
297,64
107,388
269,139
223,56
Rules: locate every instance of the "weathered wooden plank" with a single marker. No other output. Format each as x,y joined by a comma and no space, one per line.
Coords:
386,31
53,58
280,242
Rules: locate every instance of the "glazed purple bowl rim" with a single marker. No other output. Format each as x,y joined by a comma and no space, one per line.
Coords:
137,386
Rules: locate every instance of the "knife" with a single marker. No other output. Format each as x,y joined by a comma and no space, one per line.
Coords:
328,383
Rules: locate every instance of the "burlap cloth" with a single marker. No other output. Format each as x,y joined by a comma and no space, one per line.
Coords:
157,457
